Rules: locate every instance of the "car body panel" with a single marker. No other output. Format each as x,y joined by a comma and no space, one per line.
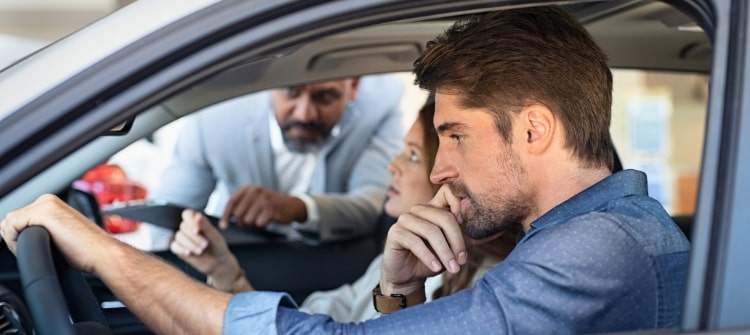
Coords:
717,296
37,74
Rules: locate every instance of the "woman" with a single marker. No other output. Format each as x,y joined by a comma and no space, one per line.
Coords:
201,245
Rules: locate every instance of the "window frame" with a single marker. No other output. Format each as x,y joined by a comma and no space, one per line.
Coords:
200,44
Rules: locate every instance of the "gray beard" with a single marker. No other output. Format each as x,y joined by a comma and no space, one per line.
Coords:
304,147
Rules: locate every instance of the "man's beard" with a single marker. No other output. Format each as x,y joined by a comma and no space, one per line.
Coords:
498,212
305,145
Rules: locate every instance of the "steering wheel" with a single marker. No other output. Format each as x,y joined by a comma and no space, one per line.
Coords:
47,280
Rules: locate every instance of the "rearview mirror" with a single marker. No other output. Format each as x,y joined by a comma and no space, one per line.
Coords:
121,129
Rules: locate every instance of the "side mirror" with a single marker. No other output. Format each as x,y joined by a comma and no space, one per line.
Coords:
121,129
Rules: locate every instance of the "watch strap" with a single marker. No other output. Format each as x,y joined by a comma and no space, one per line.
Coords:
388,304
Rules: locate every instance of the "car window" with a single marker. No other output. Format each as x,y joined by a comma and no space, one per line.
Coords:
141,165
137,159
658,121
657,126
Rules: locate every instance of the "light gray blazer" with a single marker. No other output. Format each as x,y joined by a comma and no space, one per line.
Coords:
227,146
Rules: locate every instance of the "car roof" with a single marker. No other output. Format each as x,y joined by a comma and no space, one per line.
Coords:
385,48
41,71
675,43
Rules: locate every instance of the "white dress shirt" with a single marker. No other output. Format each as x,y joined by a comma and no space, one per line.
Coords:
294,172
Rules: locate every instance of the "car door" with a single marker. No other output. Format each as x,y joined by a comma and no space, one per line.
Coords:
717,297
189,50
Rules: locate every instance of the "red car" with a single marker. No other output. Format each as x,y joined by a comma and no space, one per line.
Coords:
109,184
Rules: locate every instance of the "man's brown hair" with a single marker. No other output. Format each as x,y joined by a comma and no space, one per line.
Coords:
507,59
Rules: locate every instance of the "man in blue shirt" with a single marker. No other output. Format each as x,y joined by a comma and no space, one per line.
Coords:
523,102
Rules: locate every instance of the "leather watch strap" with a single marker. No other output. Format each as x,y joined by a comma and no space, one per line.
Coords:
389,304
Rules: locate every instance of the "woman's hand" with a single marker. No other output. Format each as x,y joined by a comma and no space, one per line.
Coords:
200,244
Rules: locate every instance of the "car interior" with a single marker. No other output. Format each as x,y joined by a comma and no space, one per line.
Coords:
675,43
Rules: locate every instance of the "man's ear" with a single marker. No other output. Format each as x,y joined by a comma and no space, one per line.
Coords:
539,124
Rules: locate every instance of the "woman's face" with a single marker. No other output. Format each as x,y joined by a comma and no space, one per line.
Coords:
411,181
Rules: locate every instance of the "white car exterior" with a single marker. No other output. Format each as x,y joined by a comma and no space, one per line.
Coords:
42,71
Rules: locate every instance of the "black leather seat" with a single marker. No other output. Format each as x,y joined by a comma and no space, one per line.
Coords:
685,222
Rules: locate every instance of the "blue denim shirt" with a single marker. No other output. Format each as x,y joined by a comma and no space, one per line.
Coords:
609,259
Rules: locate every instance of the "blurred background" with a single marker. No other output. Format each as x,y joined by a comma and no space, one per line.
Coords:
27,25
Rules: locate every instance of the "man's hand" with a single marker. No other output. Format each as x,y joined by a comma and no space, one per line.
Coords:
161,296
258,206
77,238
201,245
424,242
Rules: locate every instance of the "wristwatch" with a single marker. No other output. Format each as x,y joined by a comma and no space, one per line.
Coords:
388,304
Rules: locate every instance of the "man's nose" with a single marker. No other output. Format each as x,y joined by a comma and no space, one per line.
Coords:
443,171
304,109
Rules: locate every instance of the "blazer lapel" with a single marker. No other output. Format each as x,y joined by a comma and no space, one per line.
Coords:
260,155
318,183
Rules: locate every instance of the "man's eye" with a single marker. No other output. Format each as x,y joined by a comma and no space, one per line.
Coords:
293,92
457,138
325,97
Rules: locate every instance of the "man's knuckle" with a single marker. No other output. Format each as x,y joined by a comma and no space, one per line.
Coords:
431,228
422,208
49,200
399,222
423,252
413,240
46,197
11,216
408,219
392,230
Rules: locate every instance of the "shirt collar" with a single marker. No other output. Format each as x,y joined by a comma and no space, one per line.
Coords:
619,185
